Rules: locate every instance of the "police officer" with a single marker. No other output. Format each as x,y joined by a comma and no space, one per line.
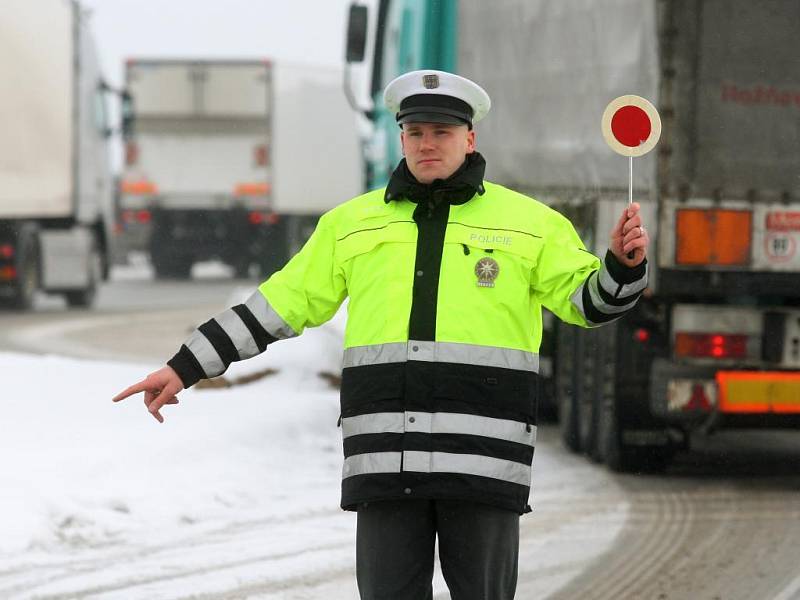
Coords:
446,274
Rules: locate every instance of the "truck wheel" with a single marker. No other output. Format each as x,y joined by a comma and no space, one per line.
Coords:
566,396
610,409
591,363
28,283
171,266
242,269
80,298
627,458
599,389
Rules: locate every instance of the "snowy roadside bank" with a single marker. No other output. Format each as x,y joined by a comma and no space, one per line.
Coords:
78,469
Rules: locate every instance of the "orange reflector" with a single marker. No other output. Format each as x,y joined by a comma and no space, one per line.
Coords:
138,187
759,392
711,345
251,189
699,399
713,236
7,273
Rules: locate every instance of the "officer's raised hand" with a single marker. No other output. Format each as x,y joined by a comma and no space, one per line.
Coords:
629,238
160,388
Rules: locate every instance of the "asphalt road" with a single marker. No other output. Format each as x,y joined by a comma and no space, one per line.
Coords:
722,524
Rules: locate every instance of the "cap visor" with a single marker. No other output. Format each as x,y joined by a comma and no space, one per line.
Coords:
430,117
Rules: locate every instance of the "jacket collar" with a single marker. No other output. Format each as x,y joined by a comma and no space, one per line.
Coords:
456,189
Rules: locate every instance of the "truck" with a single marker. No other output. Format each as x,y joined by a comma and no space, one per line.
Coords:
714,343
232,160
55,175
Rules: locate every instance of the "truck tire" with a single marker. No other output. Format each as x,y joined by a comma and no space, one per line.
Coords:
171,266
609,446
242,268
564,384
594,378
170,259
598,387
28,282
626,458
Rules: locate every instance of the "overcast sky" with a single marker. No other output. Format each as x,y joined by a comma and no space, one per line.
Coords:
310,31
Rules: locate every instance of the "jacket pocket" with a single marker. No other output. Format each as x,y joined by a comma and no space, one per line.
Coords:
372,235
378,263
473,259
501,393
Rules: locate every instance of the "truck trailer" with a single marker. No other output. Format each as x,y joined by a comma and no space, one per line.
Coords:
55,178
232,160
715,340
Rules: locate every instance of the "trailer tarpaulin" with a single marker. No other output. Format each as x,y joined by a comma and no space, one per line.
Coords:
551,68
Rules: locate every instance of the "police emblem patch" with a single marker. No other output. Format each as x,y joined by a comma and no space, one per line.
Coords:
431,82
487,271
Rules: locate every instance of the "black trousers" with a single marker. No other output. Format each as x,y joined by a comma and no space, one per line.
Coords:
478,549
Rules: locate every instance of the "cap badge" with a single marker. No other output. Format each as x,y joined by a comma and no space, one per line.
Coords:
431,82
487,271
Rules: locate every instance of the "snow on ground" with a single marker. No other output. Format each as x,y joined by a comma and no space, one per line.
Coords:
81,471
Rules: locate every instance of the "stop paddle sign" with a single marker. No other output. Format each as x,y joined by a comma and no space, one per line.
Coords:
631,125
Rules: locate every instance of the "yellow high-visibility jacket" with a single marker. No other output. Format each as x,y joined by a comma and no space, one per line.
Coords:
439,379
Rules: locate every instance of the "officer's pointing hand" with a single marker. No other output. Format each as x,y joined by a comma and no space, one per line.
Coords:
630,237
160,388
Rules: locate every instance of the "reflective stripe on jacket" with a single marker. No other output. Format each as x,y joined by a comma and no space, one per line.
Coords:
439,377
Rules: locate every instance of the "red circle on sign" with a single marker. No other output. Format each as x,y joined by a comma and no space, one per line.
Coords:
631,126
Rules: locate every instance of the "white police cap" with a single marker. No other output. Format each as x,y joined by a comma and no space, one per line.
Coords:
436,97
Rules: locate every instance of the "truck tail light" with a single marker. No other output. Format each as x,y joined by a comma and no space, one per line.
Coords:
6,251
143,216
641,335
131,154
8,273
257,218
261,155
713,236
711,345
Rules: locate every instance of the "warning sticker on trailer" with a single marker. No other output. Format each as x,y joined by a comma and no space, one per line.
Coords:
780,246
783,221
776,237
